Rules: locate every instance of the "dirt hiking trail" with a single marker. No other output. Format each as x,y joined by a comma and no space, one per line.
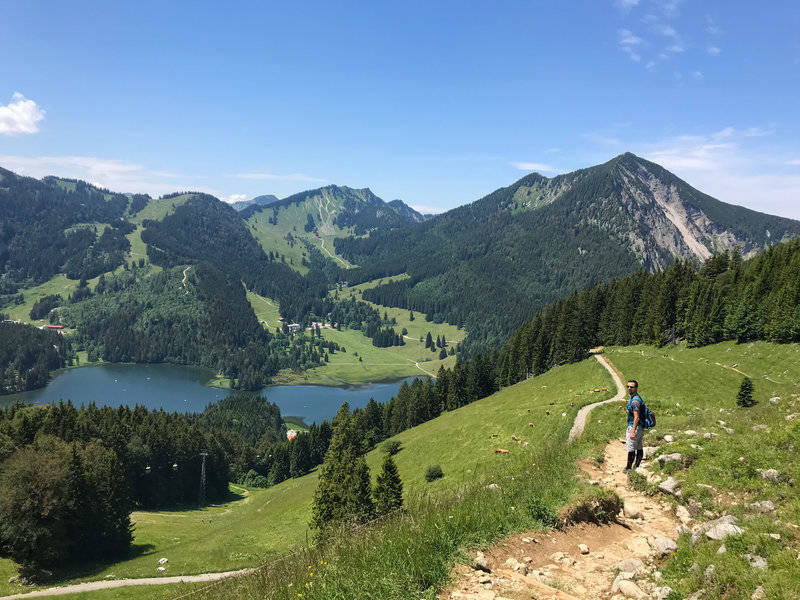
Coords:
91,586
584,561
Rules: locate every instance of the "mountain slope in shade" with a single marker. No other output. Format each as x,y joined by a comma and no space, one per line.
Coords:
264,200
490,264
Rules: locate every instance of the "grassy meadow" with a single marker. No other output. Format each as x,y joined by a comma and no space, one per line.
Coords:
292,219
693,390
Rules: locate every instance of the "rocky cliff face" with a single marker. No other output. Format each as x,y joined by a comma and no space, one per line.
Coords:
655,214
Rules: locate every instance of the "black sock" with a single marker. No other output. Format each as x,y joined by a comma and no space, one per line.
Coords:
631,456
639,455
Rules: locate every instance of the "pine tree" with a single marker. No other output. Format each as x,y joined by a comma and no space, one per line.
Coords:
344,491
745,396
388,488
411,315
428,340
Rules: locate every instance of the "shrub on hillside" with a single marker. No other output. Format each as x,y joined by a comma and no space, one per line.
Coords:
391,447
433,472
253,479
745,396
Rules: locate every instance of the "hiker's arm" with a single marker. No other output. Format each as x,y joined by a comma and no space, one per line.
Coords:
635,423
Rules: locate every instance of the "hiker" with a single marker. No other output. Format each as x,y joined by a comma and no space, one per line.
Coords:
635,432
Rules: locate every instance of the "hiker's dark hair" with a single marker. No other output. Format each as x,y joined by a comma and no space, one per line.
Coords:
634,382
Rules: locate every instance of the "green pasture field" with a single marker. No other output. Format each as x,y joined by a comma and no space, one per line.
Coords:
253,527
376,364
292,219
693,390
156,209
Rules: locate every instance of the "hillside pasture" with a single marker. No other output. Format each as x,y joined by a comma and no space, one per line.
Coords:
256,525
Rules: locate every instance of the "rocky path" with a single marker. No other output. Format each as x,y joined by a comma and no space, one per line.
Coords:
585,561
116,583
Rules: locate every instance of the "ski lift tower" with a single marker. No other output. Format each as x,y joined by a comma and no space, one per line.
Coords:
203,454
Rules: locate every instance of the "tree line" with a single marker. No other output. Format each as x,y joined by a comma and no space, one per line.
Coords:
725,299
69,477
28,354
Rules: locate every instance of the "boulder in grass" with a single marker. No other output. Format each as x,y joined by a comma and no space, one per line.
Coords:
668,458
671,486
769,475
718,529
762,506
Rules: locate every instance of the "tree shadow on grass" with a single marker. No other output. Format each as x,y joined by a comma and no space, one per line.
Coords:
66,574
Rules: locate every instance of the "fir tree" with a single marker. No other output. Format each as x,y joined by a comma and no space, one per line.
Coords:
428,340
344,491
745,396
388,488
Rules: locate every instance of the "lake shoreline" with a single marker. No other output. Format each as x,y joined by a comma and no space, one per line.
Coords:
182,389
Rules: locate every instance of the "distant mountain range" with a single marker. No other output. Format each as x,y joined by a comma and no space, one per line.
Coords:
264,200
487,265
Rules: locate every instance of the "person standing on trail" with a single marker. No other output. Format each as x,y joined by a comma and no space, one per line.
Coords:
634,435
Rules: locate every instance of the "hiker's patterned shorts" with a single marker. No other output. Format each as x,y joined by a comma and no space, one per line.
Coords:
632,445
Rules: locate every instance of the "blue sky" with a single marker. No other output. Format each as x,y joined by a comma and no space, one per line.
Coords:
437,103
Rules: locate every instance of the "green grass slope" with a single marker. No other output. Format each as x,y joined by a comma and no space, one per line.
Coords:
695,390
250,529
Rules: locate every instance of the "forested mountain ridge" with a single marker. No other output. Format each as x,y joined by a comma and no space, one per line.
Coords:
490,264
50,226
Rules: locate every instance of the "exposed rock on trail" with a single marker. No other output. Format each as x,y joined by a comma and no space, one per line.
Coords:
622,557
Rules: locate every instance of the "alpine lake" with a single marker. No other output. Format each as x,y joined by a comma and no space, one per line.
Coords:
177,388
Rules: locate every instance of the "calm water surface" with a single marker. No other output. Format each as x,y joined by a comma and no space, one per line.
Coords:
181,389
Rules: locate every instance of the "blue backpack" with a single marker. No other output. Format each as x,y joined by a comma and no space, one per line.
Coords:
649,419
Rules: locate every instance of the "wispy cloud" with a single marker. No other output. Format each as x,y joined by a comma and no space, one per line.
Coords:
713,50
697,75
234,198
267,176
629,44
625,5
726,164
534,166
116,175
428,210
20,116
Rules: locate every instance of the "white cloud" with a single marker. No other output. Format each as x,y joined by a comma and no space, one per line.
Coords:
234,198
713,50
697,75
676,48
626,5
725,165
279,177
628,43
20,116
115,175
534,166
428,210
